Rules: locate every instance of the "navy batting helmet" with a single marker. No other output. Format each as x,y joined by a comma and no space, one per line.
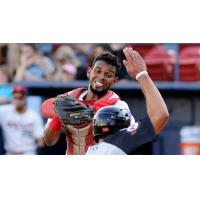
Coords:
109,120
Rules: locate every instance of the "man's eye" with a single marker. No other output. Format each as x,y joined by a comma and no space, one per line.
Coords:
109,76
97,71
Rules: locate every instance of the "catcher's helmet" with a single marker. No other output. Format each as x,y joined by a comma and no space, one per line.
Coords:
109,120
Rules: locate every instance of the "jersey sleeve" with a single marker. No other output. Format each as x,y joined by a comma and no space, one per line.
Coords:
134,136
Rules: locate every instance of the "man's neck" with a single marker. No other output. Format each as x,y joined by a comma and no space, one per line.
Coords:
21,110
90,96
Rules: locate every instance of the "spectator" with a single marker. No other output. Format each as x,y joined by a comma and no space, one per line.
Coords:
66,64
22,128
32,65
12,56
45,49
84,54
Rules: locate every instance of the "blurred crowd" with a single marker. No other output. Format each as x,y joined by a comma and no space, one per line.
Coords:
66,62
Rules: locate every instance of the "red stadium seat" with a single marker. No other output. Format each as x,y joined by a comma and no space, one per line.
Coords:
184,46
160,64
191,52
143,49
189,62
189,71
161,71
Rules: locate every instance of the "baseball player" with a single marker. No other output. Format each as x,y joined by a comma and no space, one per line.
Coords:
112,128
101,75
22,127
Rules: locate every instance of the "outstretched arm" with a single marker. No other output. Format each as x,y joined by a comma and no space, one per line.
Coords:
156,107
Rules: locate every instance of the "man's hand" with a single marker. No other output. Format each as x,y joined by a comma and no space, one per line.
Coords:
134,63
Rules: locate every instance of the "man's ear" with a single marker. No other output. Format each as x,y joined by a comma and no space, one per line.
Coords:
88,72
116,79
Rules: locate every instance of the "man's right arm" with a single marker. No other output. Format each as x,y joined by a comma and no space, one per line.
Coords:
156,107
52,131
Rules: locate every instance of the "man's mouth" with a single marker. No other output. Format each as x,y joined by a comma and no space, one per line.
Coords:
98,84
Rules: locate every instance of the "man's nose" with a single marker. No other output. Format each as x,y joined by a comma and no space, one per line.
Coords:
102,76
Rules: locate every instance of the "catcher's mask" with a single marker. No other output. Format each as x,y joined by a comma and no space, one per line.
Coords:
109,120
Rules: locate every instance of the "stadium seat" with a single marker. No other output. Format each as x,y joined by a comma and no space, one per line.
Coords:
160,64
190,52
189,62
189,71
143,49
186,45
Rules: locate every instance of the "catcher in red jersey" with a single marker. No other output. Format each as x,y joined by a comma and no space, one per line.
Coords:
102,75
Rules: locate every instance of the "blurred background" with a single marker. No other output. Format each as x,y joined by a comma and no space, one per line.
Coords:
49,69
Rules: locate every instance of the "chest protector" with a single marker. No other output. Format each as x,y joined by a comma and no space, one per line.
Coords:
79,138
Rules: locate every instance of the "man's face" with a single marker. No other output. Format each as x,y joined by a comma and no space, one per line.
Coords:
101,77
19,100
